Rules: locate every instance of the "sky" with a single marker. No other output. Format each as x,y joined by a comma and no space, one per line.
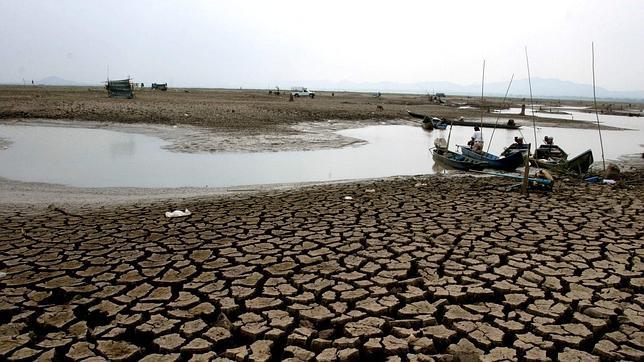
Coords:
267,43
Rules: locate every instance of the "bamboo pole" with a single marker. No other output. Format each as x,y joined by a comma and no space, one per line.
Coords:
497,117
526,171
601,142
449,135
481,107
534,125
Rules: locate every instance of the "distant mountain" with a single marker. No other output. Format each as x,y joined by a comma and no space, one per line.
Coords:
541,88
53,80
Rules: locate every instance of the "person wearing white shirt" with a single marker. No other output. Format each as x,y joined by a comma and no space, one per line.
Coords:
477,139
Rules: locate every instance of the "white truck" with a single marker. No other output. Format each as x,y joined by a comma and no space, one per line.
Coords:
301,92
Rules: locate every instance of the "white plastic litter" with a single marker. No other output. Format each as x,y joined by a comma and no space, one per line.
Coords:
348,198
609,182
178,213
370,190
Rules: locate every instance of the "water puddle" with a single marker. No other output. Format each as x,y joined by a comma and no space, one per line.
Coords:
101,158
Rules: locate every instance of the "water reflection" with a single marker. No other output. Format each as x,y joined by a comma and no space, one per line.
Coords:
127,147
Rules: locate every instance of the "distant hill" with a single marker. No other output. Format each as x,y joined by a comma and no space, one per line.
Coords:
541,88
53,80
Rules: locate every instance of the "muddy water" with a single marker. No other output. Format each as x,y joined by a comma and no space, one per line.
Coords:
101,158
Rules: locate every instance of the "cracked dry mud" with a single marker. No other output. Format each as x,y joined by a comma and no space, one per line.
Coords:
421,269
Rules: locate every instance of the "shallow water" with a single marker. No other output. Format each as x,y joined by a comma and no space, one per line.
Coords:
101,158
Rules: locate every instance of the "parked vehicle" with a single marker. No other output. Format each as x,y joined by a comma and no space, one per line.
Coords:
301,92
160,86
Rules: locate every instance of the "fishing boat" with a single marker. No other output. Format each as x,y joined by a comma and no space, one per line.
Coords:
550,151
462,122
578,165
441,154
456,160
429,123
508,163
517,146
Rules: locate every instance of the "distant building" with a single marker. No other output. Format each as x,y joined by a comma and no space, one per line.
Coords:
440,95
119,89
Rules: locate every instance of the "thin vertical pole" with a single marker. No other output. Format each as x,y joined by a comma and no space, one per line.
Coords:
482,84
449,135
601,142
497,117
534,125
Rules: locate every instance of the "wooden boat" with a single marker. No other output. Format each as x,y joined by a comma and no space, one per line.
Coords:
516,148
456,160
508,163
459,122
578,165
429,123
550,152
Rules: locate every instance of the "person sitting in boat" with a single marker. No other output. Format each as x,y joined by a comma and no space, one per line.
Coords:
518,142
477,140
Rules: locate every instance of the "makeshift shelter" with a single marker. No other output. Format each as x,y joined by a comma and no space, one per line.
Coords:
119,89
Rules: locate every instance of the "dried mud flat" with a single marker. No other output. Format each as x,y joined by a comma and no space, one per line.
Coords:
418,269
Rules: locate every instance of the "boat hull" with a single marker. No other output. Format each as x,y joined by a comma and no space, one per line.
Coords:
431,123
578,165
508,163
457,161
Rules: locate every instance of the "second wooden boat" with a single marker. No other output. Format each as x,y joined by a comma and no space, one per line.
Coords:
456,160
508,163
578,165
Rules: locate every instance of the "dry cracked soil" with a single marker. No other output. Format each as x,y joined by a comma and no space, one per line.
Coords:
412,269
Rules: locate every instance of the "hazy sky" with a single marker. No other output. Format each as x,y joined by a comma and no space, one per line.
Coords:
264,43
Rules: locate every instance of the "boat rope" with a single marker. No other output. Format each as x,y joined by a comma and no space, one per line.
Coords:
499,114
601,142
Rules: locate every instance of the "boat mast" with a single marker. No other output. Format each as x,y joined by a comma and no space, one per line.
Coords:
524,188
534,126
481,107
498,115
601,143
449,135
